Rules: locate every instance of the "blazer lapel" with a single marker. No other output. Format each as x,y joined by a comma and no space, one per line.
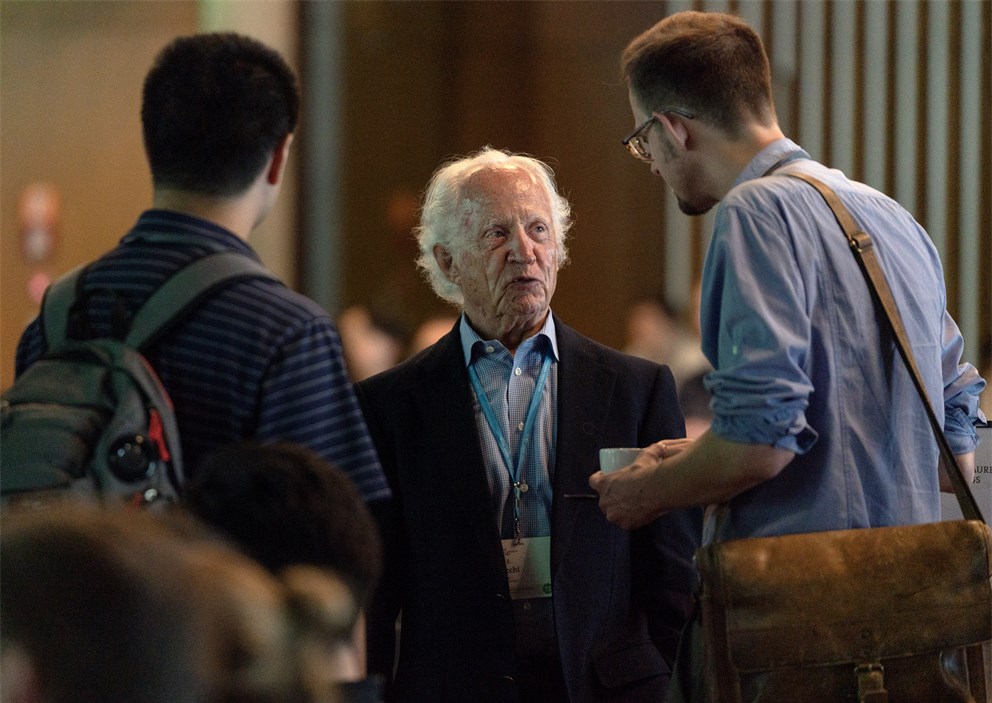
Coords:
443,398
585,394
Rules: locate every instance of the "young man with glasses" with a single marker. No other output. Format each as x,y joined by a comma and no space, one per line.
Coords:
815,425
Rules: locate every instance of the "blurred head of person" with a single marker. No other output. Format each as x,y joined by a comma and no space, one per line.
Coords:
372,341
110,604
284,505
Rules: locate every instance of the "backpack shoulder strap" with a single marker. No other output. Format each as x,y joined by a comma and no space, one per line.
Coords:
187,287
56,304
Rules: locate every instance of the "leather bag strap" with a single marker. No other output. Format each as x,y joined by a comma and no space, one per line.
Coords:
864,252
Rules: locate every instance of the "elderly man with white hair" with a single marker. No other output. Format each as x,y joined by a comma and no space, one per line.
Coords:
510,584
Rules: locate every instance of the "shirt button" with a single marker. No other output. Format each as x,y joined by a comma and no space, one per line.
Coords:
517,371
490,349
520,426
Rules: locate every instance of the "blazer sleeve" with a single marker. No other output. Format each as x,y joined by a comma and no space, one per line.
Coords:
385,605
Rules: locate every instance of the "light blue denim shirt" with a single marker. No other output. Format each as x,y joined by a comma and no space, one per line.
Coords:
801,364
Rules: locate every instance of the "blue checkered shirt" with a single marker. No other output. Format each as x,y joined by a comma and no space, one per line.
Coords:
508,380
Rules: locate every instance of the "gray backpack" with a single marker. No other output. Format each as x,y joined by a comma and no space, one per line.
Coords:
91,419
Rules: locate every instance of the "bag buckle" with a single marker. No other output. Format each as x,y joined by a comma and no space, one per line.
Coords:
871,682
860,241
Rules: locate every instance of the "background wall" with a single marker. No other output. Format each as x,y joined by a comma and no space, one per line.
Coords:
70,82
897,94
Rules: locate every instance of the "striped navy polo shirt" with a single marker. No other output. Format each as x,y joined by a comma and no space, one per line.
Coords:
255,360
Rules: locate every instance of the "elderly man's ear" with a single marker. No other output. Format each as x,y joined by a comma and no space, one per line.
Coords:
444,261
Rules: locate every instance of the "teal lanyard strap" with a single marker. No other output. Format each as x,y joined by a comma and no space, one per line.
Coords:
513,469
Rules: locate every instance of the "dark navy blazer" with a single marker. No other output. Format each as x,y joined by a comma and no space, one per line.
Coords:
619,598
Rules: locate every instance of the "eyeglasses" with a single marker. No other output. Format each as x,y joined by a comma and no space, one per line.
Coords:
637,145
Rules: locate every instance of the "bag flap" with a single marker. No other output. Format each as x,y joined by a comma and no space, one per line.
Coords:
833,597
74,374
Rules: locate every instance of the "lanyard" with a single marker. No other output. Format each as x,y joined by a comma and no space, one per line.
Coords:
513,469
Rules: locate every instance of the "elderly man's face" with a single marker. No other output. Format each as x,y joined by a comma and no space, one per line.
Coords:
507,263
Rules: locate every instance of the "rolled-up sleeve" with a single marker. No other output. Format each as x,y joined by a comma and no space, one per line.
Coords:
761,329
962,386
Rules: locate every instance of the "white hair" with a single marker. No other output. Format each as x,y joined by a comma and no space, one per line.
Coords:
440,220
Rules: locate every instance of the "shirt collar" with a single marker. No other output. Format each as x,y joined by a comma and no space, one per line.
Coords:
193,229
470,337
780,150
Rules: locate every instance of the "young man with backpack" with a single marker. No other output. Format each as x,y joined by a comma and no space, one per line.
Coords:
252,359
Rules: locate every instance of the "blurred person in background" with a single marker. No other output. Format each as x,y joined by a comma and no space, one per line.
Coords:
130,606
429,331
287,508
694,399
372,342
654,330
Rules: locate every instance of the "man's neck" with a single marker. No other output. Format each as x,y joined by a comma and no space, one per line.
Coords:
735,155
231,213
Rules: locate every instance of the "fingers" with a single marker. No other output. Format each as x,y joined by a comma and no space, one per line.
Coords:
622,497
667,448
596,480
613,505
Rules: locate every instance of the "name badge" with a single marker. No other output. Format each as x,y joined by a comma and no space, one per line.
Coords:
528,567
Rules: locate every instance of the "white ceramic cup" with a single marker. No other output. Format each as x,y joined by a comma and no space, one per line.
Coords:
613,458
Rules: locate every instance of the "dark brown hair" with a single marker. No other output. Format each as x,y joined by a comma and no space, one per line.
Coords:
214,109
710,64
